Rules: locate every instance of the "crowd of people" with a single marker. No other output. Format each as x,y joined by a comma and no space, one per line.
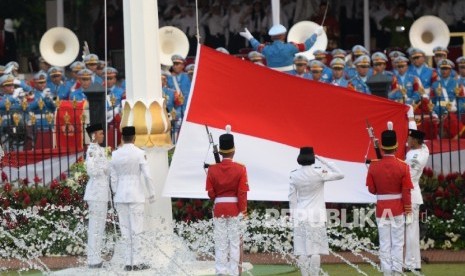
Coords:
32,100
390,21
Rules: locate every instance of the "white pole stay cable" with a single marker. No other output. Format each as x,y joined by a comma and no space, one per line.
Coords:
106,64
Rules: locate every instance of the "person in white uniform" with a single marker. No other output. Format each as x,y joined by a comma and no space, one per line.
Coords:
97,194
128,163
417,157
308,210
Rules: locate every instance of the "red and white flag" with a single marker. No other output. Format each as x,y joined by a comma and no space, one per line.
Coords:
272,115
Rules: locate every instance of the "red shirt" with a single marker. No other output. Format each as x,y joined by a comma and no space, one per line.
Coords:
228,179
390,176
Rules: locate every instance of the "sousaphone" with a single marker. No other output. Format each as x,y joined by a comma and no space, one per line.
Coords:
59,46
428,32
172,41
301,31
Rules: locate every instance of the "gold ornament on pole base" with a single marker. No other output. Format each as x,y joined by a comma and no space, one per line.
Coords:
153,126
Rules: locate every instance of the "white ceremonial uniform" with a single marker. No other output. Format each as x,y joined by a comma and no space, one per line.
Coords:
97,195
308,209
128,164
417,159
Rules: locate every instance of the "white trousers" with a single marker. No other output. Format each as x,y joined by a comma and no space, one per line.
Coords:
309,265
412,240
391,232
131,222
227,235
96,230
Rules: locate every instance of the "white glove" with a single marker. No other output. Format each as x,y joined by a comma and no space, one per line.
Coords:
246,34
110,116
409,219
18,92
47,93
319,31
17,82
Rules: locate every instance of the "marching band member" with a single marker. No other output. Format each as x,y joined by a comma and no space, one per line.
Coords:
280,54
85,79
92,62
337,66
410,86
443,95
97,194
419,68
363,72
326,75
168,95
7,94
300,67
12,68
357,51
460,89
308,210
73,83
393,201
256,57
41,93
57,87
227,186
114,92
180,82
316,70
190,70
416,158
393,55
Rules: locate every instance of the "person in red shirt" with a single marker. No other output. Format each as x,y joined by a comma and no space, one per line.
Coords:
389,179
227,186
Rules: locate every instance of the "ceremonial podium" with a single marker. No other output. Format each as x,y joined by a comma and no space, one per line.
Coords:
380,85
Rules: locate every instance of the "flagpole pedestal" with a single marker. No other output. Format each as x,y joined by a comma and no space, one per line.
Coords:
158,214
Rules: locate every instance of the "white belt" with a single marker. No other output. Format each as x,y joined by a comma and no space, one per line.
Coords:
389,196
283,68
231,199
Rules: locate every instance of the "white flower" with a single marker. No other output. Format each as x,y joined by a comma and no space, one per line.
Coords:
447,244
430,242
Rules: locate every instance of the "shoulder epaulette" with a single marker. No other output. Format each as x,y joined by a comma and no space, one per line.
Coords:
374,160
401,161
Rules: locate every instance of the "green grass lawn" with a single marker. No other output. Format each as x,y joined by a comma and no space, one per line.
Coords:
345,270
331,269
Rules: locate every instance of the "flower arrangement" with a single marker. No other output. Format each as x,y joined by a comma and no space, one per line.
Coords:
44,221
48,221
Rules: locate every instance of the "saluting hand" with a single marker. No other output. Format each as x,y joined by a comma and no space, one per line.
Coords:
246,34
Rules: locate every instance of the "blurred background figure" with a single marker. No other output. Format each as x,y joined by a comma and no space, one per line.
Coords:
7,41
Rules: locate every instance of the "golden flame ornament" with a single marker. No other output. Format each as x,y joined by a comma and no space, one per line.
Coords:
152,123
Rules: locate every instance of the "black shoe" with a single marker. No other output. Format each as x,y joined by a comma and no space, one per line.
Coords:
96,265
128,268
409,270
141,267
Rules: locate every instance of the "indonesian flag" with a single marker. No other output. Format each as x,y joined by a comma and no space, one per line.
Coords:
272,115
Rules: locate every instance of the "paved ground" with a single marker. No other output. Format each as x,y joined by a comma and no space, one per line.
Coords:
432,256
